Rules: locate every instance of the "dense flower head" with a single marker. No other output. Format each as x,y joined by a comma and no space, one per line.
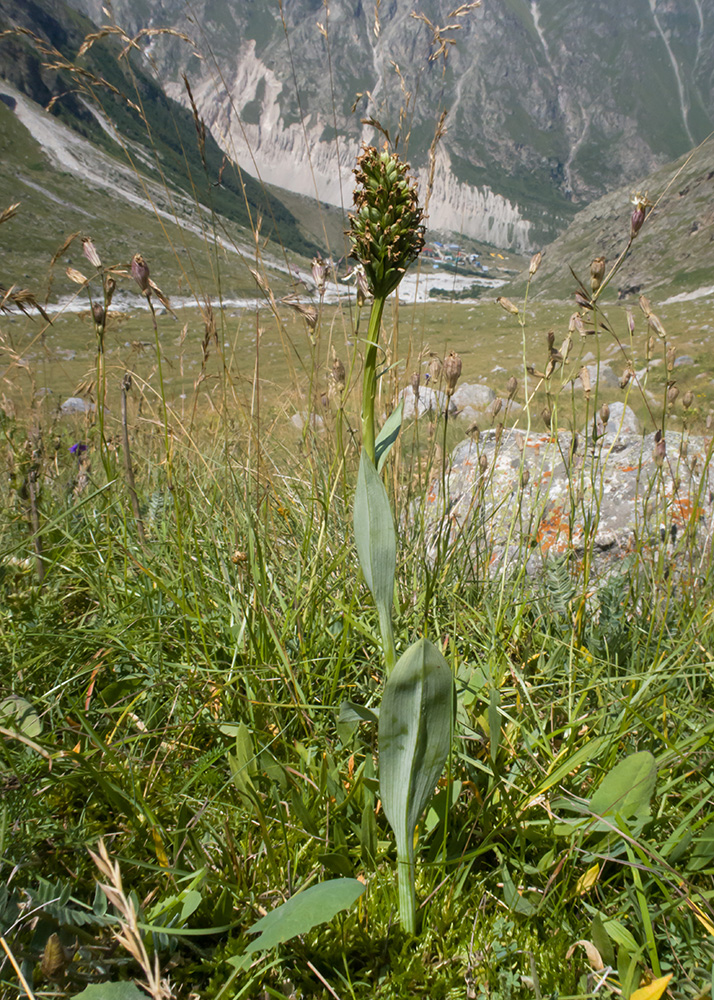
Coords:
385,233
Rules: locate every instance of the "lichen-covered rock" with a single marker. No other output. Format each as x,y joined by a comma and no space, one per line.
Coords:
523,498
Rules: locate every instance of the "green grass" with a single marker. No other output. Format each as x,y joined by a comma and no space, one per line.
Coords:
182,677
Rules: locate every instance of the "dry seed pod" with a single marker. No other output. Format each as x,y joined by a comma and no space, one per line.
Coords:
645,305
546,416
566,347
525,476
535,263
671,355
483,463
506,304
98,314
656,324
583,301
604,414
76,276
435,367
626,376
650,348
687,399
338,374
597,272
683,449
660,449
512,386
550,338
498,433
414,381
630,322
672,395
475,431
109,289
452,372
140,273
578,325
584,376
496,407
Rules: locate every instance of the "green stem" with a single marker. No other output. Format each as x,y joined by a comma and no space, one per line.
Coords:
369,379
407,893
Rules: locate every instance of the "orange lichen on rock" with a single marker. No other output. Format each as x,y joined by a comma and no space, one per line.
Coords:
683,510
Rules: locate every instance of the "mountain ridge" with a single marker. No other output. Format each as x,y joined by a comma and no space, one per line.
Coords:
551,103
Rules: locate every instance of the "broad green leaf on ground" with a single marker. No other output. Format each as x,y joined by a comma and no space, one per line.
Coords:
111,991
415,723
627,789
302,912
18,714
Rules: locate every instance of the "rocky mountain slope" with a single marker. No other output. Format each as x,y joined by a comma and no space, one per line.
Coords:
550,103
673,254
122,121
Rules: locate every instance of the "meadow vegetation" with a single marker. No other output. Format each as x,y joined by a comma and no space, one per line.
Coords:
192,663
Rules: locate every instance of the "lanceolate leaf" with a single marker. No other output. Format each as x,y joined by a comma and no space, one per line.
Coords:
388,436
304,911
415,724
376,546
628,788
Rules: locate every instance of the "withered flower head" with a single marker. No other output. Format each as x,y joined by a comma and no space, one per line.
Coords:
140,273
639,212
385,232
319,271
90,252
452,372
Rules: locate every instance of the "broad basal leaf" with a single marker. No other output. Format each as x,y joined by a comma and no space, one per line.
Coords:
302,912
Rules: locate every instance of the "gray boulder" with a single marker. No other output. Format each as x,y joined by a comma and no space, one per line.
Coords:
428,401
478,397
75,404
